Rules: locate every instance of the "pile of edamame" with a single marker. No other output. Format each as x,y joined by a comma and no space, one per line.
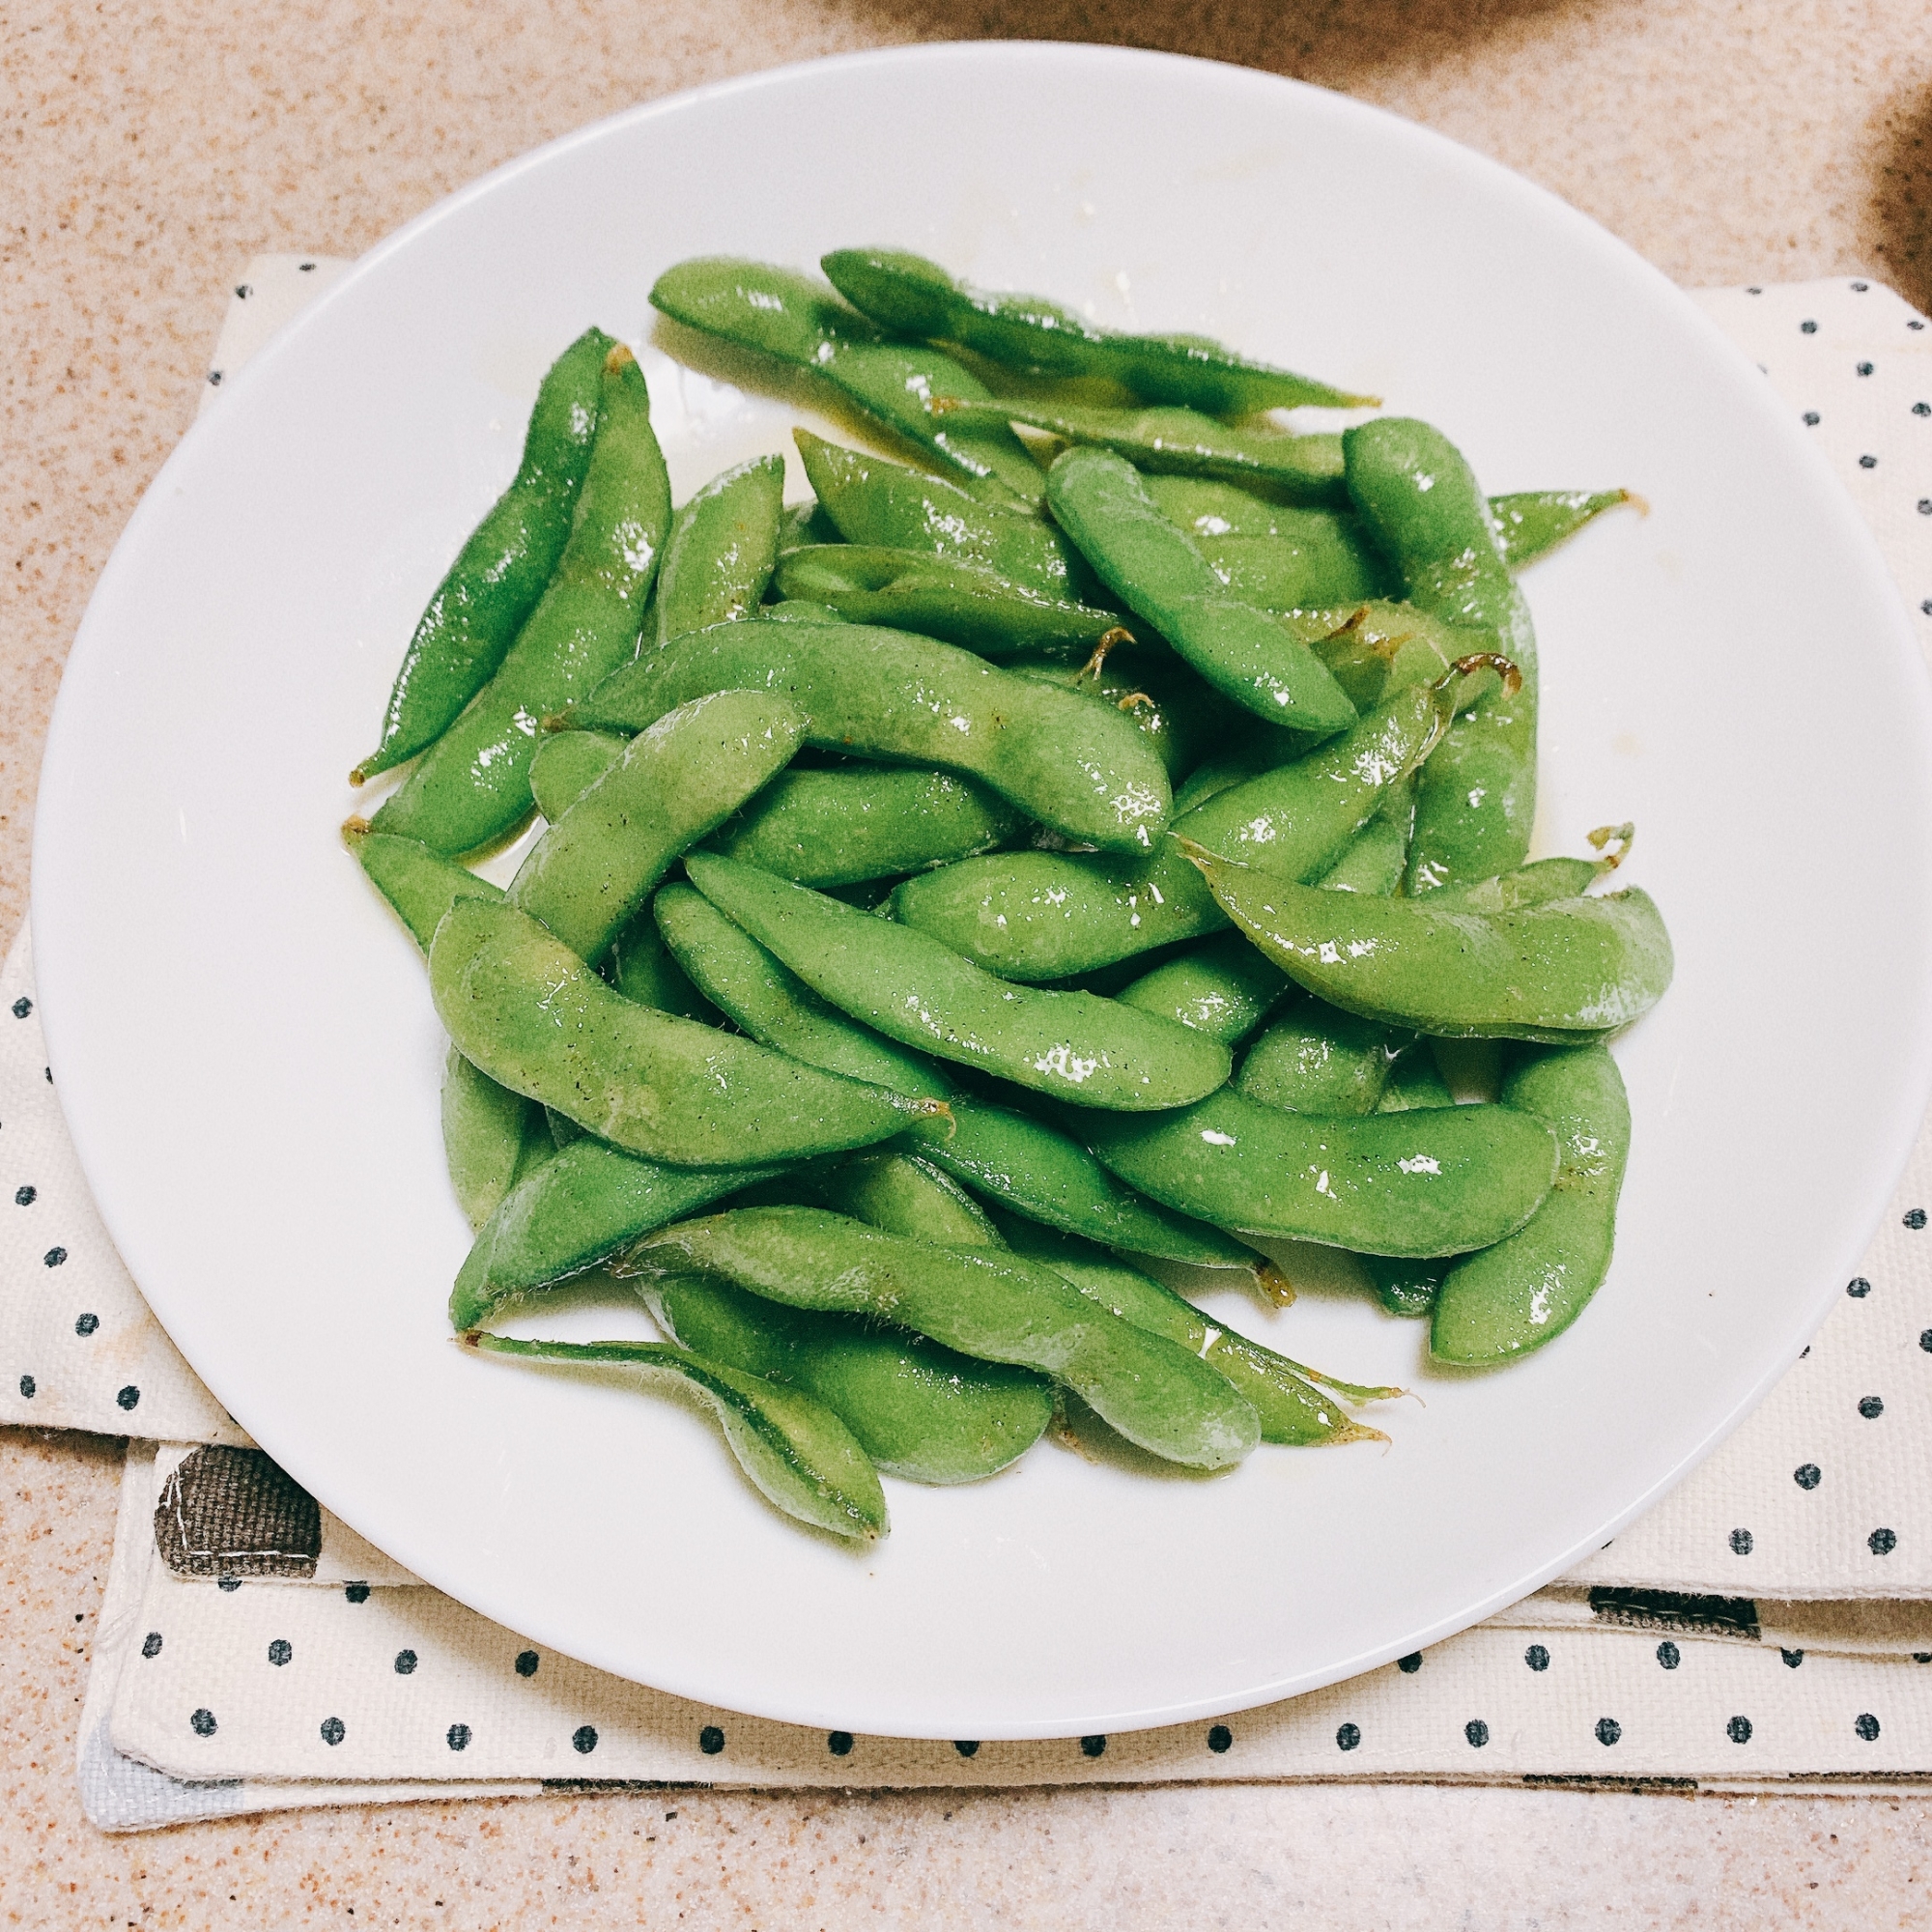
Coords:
1014,875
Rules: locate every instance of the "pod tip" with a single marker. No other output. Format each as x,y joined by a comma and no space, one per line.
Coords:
1274,1284
618,360
355,830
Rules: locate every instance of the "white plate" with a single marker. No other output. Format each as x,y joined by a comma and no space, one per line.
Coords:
247,1052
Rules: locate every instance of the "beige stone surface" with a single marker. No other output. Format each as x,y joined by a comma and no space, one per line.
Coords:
149,149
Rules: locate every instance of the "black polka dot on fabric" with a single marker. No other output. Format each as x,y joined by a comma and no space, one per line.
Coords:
1741,1542
1858,288
1347,1737
202,1722
86,1324
356,1593
1925,1339
1881,1542
242,292
53,1258
1921,1657
150,1644
1477,1732
1924,510
228,1583
280,1650
1608,1730
1408,1665
711,1741
27,1388
214,378
1536,1656
1808,1475
22,1006
1668,1654
1867,463
333,1730
1915,322
25,1197
1220,1740
1792,1658
1926,606
1857,1287
1864,368
1739,1730
128,1397
839,1743
1866,1725
966,1746
1093,1747
405,1663
1808,328
1871,1406
583,1739
1810,418
457,1737
1915,1217
1922,409
527,1664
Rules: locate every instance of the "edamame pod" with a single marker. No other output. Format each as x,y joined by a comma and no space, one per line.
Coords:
872,501
1565,972
676,782
1375,860
904,1194
780,313
842,828
572,1211
474,787
1318,1060
1078,766
804,524
1406,1285
1155,570
1277,574
799,1456
1224,988
778,1010
1174,710
1533,523
912,295
1430,1183
917,1409
722,548
1497,1306
921,993
1307,469
420,885
939,597
567,764
986,1304
502,570
1478,794
1034,915
490,1136
526,1009
641,966
1040,1173
1291,1409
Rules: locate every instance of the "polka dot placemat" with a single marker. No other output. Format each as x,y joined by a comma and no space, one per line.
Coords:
1767,1628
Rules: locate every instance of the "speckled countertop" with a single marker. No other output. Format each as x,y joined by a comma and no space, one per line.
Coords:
149,151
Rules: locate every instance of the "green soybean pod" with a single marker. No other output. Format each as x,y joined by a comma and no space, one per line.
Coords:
1279,575
939,597
912,295
842,828
1533,523
1478,795
1079,767
1224,987
1565,972
419,884
1034,916
501,571
526,1009
870,499
904,1194
781,313
1428,1182
490,1136
1034,1171
567,764
1315,1060
1155,568
777,1009
721,549
1292,1410
571,1212
919,1410
802,523
922,994
474,787
1177,712
641,966
1497,1306
1209,510
676,780
1179,441
797,1455
984,1303
1376,858
1406,1285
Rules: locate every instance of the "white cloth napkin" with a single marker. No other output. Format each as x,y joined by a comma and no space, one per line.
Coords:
1766,1628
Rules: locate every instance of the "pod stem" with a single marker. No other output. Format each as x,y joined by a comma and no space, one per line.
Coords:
1119,635
1623,837
1479,660
1275,1284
